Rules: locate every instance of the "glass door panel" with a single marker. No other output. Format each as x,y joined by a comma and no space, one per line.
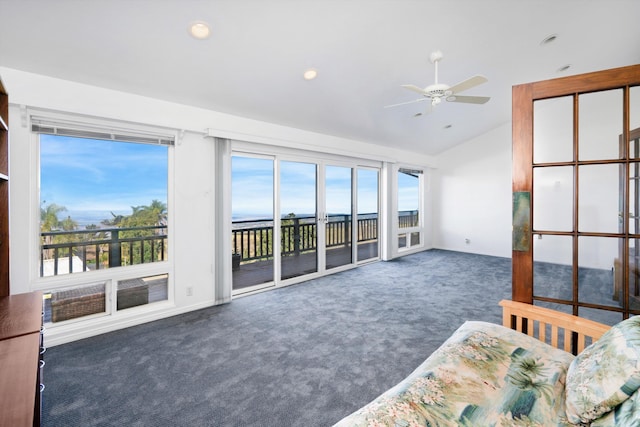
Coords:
298,213
553,198
599,125
634,122
338,220
367,201
553,266
553,130
596,257
598,201
252,195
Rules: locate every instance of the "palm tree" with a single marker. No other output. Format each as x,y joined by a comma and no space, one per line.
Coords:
49,222
142,216
49,216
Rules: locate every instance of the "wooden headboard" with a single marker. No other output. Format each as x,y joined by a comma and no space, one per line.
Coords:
551,326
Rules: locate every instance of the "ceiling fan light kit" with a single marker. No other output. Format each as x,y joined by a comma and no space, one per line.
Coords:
437,91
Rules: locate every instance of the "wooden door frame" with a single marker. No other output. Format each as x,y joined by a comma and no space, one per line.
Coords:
523,97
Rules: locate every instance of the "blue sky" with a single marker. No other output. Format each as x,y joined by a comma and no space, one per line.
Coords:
94,175
253,188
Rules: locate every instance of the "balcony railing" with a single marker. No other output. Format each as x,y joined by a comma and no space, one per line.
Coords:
252,240
63,252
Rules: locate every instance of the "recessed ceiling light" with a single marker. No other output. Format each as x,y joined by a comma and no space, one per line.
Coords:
199,30
310,74
564,68
549,39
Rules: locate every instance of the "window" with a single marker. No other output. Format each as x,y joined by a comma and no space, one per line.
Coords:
409,202
103,204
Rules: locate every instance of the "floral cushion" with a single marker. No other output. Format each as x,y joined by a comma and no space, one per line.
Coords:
483,375
605,374
626,414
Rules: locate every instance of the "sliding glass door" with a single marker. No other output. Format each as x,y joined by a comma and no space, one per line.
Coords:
252,227
368,222
338,216
294,219
298,219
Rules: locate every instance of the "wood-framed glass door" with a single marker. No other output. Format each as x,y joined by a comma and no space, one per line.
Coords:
575,198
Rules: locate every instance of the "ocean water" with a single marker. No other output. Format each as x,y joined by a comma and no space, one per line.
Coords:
88,217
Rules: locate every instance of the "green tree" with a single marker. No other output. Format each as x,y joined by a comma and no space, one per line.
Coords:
68,224
49,220
142,216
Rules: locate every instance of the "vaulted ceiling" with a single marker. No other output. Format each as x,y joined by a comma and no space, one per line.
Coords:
252,63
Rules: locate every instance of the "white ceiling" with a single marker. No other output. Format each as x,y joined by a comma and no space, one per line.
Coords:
252,63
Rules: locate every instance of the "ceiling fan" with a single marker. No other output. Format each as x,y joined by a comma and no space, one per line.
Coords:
439,91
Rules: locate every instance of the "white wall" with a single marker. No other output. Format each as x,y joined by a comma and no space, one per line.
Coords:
473,192
472,195
194,210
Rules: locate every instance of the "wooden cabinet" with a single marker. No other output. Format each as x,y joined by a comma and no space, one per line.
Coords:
21,350
4,191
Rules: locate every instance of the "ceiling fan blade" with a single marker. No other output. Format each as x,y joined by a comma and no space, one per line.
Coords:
468,84
468,99
415,89
405,103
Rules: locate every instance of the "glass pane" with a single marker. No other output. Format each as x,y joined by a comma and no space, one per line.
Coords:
298,219
90,190
338,228
72,303
402,241
141,291
553,130
598,204
634,122
600,125
553,267
415,238
634,275
634,198
408,198
367,214
252,221
602,316
596,262
553,198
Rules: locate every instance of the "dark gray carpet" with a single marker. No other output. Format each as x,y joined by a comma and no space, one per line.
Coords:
305,355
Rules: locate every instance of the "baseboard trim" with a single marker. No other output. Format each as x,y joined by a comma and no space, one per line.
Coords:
63,334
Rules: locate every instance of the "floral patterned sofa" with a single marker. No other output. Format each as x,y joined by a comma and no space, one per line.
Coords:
490,375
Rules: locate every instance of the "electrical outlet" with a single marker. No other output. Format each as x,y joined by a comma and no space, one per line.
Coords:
189,291
467,241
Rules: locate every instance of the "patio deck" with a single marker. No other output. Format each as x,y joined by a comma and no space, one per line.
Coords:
259,272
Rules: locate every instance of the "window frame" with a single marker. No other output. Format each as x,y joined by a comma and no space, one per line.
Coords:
113,275
408,231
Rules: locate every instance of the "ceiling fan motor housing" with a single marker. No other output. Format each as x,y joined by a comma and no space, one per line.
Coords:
437,90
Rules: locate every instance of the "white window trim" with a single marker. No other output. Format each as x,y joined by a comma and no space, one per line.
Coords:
112,275
421,228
